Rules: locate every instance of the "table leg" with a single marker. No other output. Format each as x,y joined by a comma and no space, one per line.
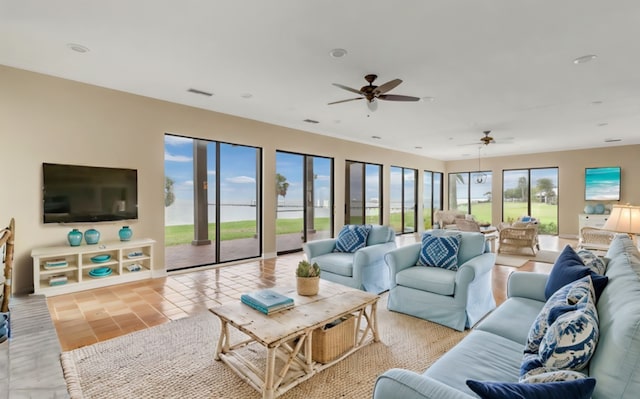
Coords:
268,390
223,343
374,321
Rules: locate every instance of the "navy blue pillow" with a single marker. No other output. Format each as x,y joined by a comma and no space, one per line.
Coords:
569,268
575,389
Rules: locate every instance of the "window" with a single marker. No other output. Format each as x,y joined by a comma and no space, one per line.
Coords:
431,196
470,192
532,192
403,199
363,193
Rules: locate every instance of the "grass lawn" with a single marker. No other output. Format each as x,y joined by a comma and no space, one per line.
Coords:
183,234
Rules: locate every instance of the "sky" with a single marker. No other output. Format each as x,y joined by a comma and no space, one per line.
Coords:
238,180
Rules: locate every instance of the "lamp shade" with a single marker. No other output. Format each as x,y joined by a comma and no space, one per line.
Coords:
624,219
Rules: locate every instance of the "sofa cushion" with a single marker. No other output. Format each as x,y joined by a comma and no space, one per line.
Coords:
380,234
336,262
479,356
440,250
352,237
569,267
431,279
512,319
575,389
592,261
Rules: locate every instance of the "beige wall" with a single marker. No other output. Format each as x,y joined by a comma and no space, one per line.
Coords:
47,119
571,165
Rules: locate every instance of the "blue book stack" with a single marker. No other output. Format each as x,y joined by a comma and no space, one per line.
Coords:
267,301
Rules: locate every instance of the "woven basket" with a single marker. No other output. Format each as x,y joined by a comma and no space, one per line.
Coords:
308,286
332,340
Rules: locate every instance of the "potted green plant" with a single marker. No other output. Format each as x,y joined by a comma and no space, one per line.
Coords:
308,278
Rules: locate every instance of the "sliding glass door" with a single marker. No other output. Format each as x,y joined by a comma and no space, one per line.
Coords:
212,202
403,199
304,200
431,196
363,193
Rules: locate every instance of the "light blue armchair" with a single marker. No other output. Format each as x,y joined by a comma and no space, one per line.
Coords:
456,299
364,269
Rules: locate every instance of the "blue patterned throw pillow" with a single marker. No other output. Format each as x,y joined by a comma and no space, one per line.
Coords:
352,237
571,340
592,261
571,299
440,250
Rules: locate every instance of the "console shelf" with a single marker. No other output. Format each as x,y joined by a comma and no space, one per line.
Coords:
128,261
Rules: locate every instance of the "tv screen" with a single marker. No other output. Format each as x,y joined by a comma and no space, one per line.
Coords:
74,193
602,184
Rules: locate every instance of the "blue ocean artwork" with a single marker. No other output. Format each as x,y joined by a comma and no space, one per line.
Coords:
602,184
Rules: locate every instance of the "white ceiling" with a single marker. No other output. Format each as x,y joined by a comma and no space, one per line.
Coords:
500,65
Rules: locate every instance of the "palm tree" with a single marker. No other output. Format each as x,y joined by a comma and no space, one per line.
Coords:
169,196
281,186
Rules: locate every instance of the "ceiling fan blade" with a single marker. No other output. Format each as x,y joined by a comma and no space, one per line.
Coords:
387,86
347,88
344,101
396,97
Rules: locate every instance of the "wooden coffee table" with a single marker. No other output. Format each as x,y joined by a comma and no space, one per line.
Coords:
287,336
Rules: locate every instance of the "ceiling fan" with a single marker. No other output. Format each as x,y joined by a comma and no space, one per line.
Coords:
372,93
486,140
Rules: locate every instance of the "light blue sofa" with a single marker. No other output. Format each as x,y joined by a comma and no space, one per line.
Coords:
493,350
364,269
456,299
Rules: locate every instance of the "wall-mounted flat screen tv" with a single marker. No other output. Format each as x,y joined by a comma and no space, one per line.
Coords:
75,193
602,184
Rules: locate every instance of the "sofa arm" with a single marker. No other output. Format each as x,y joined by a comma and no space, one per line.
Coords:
371,254
401,258
319,247
527,285
405,384
474,267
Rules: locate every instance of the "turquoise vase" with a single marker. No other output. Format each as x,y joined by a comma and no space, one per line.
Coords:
125,233
74,237
92,236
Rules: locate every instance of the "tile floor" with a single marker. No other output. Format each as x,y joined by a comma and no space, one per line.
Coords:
87,317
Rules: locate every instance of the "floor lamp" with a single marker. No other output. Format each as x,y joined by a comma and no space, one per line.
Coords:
624,219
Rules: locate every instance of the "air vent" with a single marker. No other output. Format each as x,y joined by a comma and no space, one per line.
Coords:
196,91
310,121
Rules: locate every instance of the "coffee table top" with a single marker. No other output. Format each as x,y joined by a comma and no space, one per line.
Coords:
309,312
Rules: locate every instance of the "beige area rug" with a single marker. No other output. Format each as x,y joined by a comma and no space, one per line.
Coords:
176,360
517,260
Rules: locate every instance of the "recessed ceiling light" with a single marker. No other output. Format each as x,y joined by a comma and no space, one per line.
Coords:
338,52
428,99
603,124
612,140
376,137
418,147
597,102
310,121
78,48
246,95
585,58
